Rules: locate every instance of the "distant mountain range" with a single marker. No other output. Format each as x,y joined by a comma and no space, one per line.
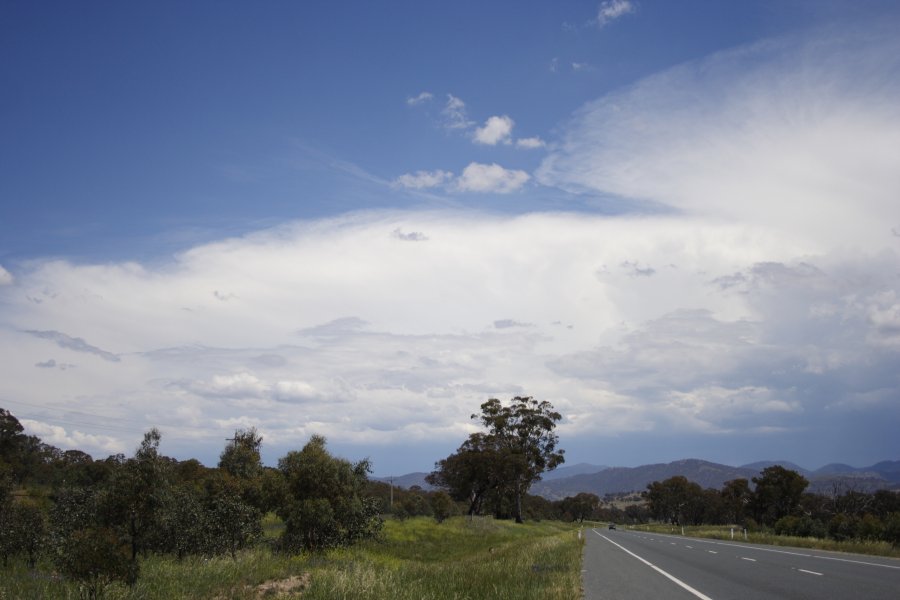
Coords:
602,480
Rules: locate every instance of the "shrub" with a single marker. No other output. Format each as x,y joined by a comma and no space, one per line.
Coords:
95,558
442,506
324,503
843,527
891,531
870,528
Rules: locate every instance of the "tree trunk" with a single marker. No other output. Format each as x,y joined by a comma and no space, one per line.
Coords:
519,507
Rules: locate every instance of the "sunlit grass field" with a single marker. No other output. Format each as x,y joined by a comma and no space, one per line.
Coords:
414,559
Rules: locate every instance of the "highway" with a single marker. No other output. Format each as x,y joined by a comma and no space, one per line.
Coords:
632,565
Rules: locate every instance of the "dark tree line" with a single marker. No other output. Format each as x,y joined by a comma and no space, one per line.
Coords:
777,500
95,519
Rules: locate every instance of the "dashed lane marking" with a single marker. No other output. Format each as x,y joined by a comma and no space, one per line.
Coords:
696,593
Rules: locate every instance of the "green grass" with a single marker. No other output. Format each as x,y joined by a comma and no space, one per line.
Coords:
719,532
459,560
415,559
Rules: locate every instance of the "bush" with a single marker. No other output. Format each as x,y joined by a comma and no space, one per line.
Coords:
22,531
442,506
324,503
843,527
891,531
95,558
870,528
787,525
233,524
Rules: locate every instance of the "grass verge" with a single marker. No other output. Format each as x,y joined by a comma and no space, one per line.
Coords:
415,559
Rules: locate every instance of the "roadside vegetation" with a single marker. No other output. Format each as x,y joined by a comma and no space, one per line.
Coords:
773,508
148,525
412,559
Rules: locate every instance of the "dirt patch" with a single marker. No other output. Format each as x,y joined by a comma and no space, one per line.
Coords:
292,586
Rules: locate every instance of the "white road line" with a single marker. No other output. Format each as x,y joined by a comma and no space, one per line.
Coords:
691,547
698,594
810,572
805,555
750,559
712,551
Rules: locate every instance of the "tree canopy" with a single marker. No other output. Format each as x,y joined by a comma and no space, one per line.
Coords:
519,445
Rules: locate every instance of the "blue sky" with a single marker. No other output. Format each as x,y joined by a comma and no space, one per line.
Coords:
677,221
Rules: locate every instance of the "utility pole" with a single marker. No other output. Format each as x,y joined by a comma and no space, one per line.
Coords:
391,479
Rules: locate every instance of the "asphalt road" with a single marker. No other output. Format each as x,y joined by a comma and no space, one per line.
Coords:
631,565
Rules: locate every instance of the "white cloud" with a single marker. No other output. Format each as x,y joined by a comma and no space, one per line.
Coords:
420,99
808,126
610,10
454,114
477,177
761,297
99,445
376,340
423,179
6,277
496,130
530,143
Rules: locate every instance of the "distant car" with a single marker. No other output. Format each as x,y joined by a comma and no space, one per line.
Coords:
612,525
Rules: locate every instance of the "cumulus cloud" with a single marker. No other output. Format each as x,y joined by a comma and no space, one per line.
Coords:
55,435
610,10
6,277
748,287
421,180
496,130
376,339
477,177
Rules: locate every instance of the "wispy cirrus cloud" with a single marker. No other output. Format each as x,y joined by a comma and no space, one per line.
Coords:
455,115
777,115
421,180
76,344
530,143
419,99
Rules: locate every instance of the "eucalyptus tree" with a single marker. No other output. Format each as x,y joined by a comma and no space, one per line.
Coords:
502,463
